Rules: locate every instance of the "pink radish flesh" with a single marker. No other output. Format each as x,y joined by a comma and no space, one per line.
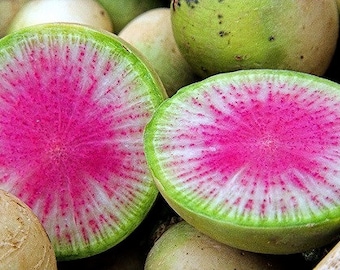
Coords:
72,117
263,150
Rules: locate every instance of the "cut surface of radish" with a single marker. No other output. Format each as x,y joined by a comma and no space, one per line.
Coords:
73,106
252,158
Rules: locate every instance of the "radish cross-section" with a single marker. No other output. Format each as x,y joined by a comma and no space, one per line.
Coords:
73,106
252,158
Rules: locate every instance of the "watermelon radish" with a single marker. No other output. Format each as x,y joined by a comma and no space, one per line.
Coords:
252,158
74,104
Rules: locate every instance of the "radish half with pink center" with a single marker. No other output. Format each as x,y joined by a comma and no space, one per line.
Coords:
74,103
252,158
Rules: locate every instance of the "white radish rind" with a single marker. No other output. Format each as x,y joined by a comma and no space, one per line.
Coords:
74,103
252,158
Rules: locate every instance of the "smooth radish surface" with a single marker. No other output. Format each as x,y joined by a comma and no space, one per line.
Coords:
73,106
252,158
88,12
123,11
24,243
183,247
151,33
8,9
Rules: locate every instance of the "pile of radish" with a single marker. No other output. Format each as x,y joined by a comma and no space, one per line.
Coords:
163,134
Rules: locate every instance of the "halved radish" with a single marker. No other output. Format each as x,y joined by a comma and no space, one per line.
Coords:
252,158
73,106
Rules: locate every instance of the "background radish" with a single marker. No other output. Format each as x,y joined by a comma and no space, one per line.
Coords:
151,33
123,11
88,12
24,242
8,9
222,36
331,260
183,247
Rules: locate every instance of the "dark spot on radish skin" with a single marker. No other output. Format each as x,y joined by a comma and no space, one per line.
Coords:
204,69
126,48
271,38
239,57
223,33
220,17
192,3
175,4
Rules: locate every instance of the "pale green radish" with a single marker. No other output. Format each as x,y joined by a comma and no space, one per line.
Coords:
151,33
183,247
222,36
123,11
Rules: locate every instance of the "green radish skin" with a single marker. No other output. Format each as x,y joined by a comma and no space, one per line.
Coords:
223,36
74,104
251,158
123,11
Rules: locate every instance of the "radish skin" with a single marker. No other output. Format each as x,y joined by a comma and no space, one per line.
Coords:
88,12
8,9
181,246
219,36
331,261
152,35
24,243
